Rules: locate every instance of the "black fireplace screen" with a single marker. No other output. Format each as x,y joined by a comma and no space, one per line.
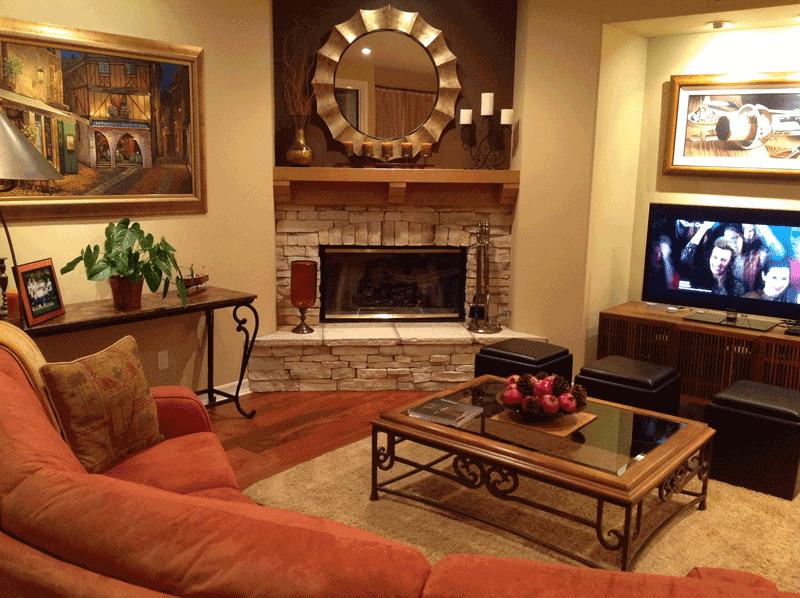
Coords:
392,283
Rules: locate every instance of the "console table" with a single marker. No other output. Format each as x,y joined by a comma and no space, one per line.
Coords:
709,357
100,314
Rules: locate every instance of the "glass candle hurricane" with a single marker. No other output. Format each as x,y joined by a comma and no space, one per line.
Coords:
303,291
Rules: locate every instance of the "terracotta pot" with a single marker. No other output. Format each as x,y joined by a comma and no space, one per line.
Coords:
127,293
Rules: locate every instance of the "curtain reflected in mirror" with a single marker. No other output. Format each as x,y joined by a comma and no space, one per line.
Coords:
400,111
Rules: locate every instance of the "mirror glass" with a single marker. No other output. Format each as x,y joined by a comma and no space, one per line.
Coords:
390,90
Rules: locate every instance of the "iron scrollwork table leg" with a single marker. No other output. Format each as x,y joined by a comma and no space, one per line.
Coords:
501,482
249,341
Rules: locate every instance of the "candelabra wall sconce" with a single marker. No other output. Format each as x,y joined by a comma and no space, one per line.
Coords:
490,151
303,291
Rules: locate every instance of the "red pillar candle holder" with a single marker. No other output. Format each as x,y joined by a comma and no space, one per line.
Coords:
303,291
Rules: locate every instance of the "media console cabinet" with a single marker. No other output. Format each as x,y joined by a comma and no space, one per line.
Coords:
709,357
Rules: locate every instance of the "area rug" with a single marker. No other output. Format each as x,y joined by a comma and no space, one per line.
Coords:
740,529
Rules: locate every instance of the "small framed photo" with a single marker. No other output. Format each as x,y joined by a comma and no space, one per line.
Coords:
40,296
722,126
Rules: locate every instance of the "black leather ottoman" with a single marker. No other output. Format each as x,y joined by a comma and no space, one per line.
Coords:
757,444
522,356
633,383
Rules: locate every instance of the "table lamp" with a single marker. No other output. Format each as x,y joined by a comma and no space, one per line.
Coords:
303,291
20,161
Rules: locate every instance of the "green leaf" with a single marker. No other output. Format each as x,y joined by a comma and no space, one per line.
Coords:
90,256
152,276
182,291
102,270
166,246
166,288
123,259
109,245
163,264
71,265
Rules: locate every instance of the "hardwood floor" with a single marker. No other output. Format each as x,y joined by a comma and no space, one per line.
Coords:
292,427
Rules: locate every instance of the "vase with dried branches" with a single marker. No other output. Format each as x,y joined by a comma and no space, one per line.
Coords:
299,97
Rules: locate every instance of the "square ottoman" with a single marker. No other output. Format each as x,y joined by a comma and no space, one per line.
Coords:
634,383
522,356
757,444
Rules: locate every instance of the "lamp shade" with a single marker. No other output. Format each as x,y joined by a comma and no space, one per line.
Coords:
19,158
304,283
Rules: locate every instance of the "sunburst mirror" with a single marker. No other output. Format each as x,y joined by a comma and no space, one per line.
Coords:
385,75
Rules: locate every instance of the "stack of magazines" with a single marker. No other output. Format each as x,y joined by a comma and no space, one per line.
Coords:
443,411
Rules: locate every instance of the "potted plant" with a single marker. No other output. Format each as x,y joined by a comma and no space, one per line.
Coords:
131,257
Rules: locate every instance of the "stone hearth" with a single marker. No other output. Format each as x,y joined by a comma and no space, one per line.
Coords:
369,357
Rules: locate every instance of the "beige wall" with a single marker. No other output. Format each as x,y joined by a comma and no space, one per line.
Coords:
622,207
590,161
235,239
555,96
736,53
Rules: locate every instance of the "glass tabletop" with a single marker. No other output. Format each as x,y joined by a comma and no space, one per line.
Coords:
615,440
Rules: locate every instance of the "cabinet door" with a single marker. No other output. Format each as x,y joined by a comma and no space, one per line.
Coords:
637,339
710,361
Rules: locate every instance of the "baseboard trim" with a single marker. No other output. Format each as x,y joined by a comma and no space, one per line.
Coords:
229,388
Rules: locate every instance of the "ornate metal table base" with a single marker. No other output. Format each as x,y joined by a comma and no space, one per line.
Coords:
502,482
249,341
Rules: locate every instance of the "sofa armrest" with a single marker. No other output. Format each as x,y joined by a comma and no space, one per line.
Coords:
180,412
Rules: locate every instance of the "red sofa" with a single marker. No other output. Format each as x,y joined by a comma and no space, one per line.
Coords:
170,520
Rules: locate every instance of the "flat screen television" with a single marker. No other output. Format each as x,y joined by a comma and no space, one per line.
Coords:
739,261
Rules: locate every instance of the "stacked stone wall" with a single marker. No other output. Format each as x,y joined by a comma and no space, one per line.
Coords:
300,232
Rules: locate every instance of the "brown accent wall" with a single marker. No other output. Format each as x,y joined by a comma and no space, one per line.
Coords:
480,34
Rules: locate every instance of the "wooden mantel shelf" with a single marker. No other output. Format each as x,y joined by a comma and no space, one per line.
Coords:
369,186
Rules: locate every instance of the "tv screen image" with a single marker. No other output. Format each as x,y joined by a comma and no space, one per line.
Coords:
735,260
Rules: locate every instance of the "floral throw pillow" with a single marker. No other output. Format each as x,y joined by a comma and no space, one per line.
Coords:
104,404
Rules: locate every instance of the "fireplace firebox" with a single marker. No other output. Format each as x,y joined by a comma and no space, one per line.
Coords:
399,284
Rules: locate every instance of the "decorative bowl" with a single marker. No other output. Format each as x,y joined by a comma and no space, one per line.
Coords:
533,417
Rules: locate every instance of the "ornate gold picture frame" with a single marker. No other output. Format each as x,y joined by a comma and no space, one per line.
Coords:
722,126
121,118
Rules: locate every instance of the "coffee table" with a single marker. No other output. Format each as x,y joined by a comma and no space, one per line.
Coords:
619,457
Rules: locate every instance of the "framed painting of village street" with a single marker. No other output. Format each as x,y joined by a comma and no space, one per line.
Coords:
121,118
721,126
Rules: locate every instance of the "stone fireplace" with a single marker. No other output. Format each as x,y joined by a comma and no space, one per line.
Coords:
386,210
301,231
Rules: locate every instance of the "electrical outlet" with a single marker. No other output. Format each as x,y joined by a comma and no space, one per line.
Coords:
163,360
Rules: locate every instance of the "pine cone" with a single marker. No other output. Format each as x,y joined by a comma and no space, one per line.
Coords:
579,392
531,405
525,385
542,375
560,385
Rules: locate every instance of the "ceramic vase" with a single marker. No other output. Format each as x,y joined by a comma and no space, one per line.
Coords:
299,153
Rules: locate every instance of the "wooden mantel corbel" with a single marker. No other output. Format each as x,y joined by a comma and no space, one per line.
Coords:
382,186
